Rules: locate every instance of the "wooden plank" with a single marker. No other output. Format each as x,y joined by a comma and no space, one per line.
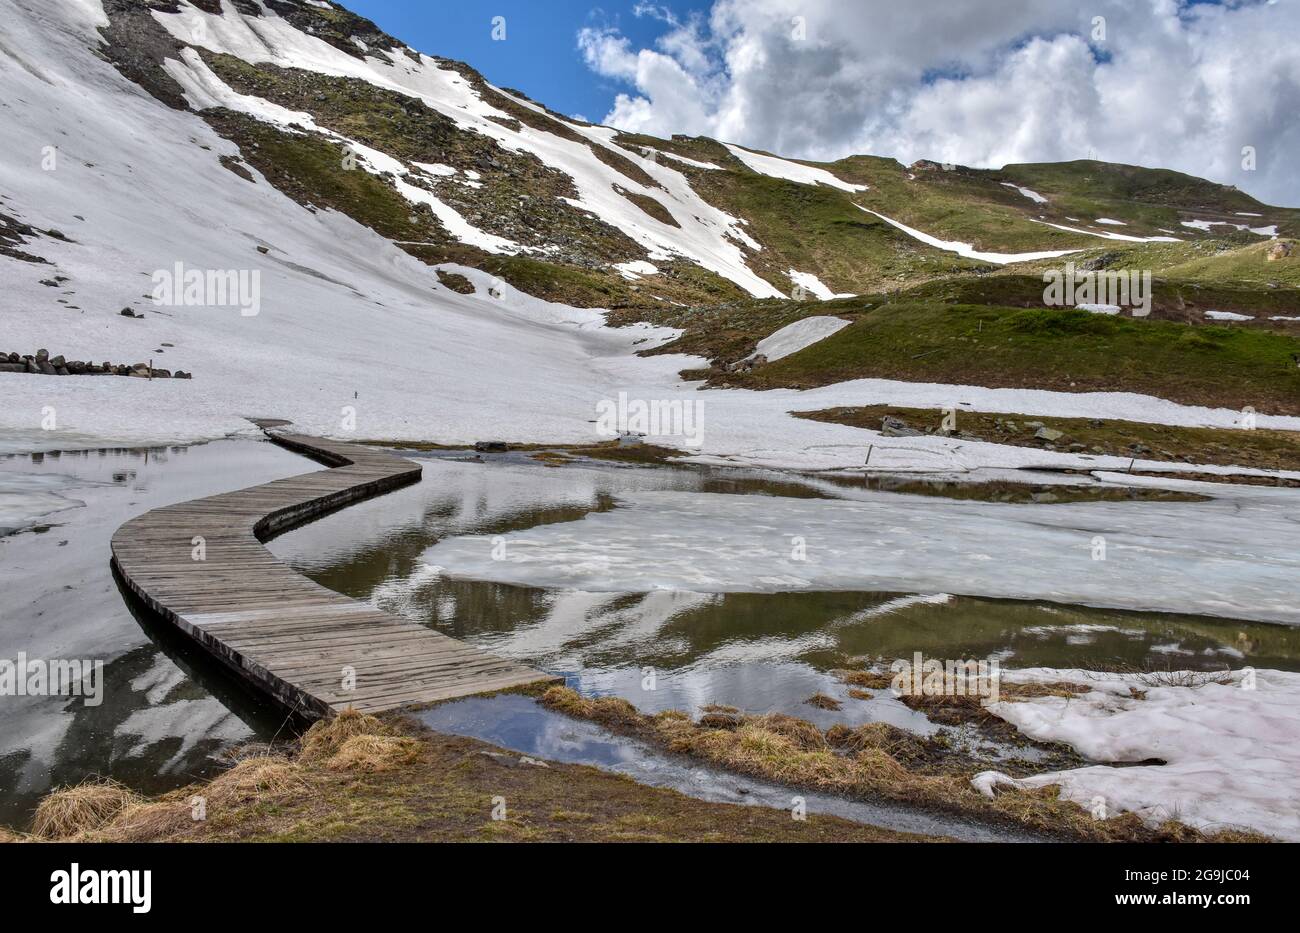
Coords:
288,635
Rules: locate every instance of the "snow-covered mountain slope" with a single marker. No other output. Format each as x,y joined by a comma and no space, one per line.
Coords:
392,211
697,231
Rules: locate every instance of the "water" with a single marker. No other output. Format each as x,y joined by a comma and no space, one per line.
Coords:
757,651
519,723
168,709
159,723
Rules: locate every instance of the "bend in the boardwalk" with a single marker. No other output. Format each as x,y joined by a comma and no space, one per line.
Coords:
202,566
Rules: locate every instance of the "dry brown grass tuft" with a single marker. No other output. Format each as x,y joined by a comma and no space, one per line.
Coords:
256,778
822,701
327,736
143,822
609,711
801,732
1010,690
717,719
893,741
71,811
372,753
8,835
873,679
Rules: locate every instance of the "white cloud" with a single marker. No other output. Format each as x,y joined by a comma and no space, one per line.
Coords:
1170,85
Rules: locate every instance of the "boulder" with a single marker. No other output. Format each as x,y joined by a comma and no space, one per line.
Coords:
42,356
491,447
748,363
13,367
897,427
1099,262
182,374
1049,434
1279,250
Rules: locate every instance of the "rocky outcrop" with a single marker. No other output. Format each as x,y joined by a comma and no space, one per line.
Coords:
41,363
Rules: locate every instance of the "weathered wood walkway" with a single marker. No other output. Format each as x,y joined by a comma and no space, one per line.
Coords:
284,633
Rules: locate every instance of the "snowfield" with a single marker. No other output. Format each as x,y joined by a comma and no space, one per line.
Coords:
1230,751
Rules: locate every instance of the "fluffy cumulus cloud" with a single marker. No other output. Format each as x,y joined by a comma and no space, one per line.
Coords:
1150,82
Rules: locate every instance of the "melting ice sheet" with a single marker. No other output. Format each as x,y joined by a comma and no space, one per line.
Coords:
25,498
1237,556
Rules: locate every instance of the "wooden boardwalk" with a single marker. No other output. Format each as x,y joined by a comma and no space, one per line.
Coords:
287,635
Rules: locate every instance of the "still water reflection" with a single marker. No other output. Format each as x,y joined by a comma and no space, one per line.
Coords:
757,651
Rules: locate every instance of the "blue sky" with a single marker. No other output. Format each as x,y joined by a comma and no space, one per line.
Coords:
540,54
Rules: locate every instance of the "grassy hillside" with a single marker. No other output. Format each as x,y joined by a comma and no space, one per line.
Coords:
1145,196
975,344
1055,349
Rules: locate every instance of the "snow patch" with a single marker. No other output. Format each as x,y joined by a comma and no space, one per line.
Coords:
1206,226
636,269
1026,192
796,336
776,167
1107,235
1228,316
1232,759
968,250
814,286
